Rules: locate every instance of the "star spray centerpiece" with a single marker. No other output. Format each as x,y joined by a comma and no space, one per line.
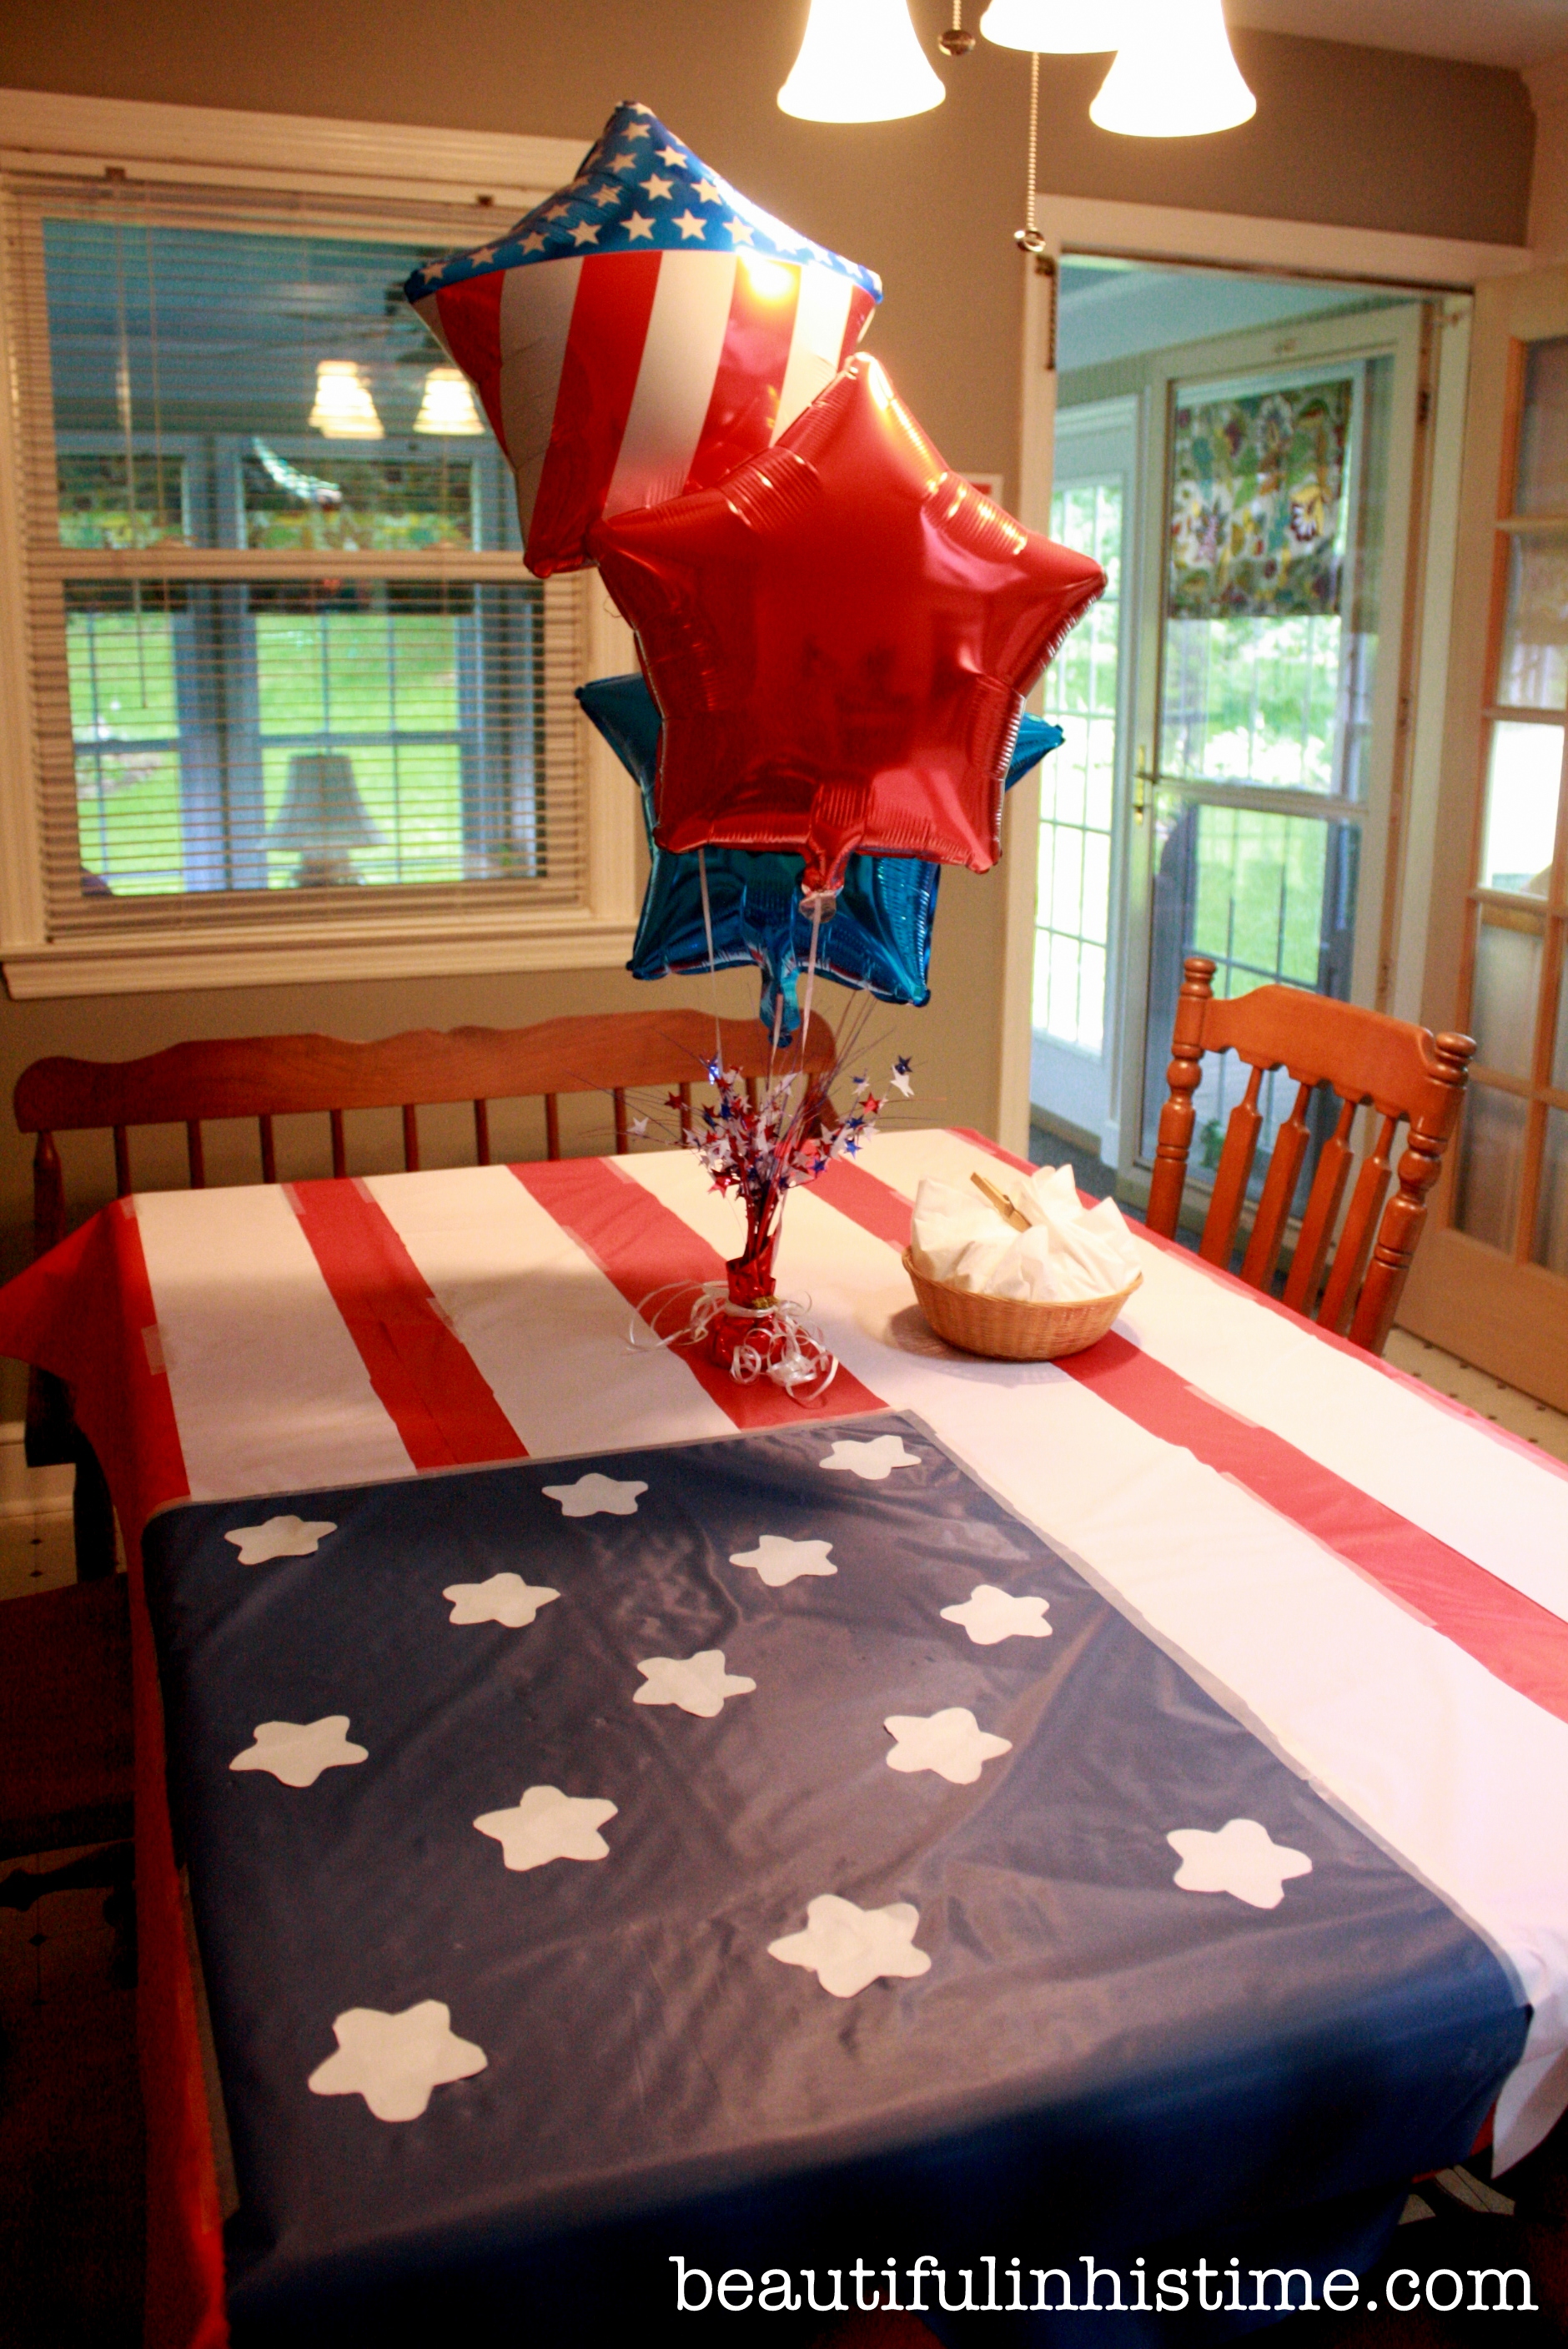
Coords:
836,634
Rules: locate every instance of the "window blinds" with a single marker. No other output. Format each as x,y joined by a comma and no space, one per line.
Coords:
282,646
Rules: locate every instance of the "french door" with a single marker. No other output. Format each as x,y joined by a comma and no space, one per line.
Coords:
1491,1280
1270,608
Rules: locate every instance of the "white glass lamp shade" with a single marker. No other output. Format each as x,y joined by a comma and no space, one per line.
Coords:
344,410
1053,27
859,62
448,411
1174,76
323,814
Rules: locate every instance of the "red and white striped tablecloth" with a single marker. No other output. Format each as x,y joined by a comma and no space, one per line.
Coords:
1376,1580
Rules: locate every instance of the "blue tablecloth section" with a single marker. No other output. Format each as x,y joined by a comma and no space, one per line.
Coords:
1096,2059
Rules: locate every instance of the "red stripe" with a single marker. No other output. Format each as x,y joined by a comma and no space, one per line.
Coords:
470,321
744,407
1516,1641
640,1245
1546,1461
443,1409
855,323
599,371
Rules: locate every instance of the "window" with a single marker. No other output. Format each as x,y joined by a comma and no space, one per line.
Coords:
296,707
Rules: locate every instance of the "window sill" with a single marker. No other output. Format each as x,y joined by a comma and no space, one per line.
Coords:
252,954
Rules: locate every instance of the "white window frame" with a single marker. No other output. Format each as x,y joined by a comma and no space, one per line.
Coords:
47,136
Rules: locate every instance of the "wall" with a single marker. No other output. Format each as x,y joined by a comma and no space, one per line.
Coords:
1346,135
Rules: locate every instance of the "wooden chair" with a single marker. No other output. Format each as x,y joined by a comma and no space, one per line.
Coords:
269,1077
1406,1074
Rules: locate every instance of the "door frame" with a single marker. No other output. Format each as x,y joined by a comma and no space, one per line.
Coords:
1434,266
1504,1315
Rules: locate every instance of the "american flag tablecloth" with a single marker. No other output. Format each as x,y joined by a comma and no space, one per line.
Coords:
1374,1584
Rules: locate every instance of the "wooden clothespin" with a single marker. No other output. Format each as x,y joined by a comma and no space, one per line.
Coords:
1003,1206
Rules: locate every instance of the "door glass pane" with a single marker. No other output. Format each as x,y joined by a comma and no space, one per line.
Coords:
1521,826
1532,673
1491,1155
1543,480
1271,629
1551,1246
1504,989
1073,903
1268,897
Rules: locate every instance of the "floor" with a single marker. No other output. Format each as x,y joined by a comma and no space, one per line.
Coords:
70,2107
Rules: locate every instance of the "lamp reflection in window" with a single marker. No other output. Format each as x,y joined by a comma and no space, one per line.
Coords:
447,412
323,820
344,410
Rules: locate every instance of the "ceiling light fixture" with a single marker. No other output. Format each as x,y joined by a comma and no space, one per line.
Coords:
860,61
1053,27
344,410
447,412
1174,76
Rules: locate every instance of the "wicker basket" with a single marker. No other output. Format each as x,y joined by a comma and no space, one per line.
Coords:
1013,1328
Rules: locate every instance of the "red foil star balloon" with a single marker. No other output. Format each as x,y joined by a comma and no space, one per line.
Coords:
840,638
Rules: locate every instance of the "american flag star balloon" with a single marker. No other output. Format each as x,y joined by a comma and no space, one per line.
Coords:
639,334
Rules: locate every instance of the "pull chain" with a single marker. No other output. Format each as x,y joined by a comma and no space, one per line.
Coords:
955,42
1029,236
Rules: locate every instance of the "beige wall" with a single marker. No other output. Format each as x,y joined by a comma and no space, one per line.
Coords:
1355,136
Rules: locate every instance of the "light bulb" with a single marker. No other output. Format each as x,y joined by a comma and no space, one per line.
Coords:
1174,75
1053,27
859,62
344,408
448,411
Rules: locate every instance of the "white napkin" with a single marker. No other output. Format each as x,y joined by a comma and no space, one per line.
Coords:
1067,1253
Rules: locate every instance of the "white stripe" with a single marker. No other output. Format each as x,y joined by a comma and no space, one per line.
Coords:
820,316
675,383
1447,1475
429,309
536,304
269,1390
1456,1773
545,1327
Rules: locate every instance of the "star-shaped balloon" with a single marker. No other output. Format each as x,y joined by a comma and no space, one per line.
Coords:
639,333
839,637
879,937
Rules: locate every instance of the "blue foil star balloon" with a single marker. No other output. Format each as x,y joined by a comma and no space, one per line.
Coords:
879,939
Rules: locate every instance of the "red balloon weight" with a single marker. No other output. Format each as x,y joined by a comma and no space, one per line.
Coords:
839,639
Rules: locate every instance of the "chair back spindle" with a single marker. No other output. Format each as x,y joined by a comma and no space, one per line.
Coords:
1388,1070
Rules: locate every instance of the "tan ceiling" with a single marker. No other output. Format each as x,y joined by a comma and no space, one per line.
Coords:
1489,32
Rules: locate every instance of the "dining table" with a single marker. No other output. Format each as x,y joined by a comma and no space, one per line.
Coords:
599,1817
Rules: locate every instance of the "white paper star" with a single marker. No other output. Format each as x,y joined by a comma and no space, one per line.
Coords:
951,1743
298,1752
504,1598
639,1127
585,232
393,2061
547,1825
655,186
279,1537
699,1686
872,1461
779,1561
848,1948
594,1495
901,1084
989,1615
1241,1858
